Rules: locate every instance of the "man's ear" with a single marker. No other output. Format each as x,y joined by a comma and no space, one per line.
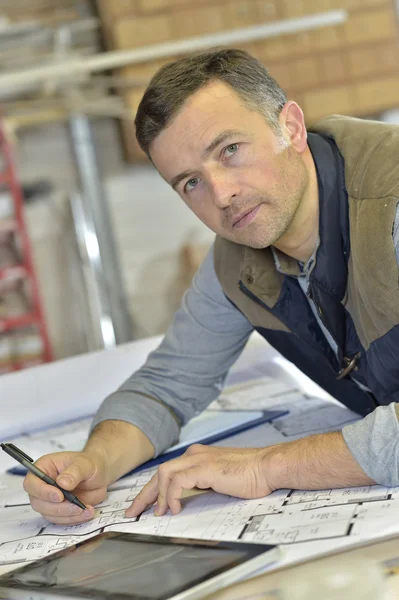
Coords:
292,123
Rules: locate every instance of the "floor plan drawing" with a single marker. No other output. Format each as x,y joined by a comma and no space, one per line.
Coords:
285,517
304,520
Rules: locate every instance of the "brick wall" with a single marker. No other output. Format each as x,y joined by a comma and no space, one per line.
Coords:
350,68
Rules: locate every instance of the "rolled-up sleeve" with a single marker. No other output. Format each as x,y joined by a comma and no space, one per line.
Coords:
187,371
374,443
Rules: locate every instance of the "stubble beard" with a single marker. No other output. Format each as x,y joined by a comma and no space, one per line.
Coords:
277,211
267,228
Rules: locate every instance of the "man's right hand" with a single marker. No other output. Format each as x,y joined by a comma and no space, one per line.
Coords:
83,473
113,449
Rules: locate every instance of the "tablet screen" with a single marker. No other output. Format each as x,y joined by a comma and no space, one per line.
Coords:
128,566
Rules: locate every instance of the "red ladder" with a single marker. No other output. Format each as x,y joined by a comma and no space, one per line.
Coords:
17,273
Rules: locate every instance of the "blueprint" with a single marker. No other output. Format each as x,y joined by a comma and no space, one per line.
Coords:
303,522
285,517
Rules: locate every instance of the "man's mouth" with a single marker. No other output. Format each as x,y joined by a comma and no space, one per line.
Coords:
245,217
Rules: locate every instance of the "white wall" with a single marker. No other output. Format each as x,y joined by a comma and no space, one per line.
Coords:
150,225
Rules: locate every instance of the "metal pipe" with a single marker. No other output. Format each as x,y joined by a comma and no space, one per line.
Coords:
111,60
106,295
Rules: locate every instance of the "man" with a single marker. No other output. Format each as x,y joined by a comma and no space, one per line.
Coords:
305,253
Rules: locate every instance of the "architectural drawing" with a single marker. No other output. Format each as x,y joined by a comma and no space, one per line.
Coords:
286,517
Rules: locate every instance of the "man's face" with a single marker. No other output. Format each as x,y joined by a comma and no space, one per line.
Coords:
244,181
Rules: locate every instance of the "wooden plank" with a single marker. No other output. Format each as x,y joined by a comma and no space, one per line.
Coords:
306,72
133,32
150,6
299,44
284,75
360,5
133,152
115,9
268,10
328,38
197,21
315,6
377,94
240,14
322,102
370,26
334,68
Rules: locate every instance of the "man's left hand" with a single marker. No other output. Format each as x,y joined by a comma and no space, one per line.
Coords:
316,462
237,472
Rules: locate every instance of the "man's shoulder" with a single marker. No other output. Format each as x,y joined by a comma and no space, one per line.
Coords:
370,150
227,256
353,129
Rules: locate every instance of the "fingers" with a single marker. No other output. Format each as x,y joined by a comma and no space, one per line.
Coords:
145,498
72,471
185,480
63,513
78,471
50,508
68,469
232,471
177,475
36,488
166,474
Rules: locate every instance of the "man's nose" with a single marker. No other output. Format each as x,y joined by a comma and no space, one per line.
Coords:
223,189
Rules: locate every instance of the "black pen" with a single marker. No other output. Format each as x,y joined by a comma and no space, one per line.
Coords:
27,462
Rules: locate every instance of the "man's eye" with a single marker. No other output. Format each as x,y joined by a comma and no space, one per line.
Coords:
191,183
230,149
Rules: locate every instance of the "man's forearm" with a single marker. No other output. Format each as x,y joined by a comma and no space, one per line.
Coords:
120,445
317,462
314,463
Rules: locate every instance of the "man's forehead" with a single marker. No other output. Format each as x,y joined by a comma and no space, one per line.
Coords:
213,101
204,115
192,130
214,91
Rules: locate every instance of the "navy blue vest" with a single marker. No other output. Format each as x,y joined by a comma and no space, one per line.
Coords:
305,345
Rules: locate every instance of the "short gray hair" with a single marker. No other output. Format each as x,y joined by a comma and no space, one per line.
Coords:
175,82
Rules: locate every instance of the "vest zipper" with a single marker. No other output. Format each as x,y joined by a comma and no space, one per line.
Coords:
350,363
318,308
321,315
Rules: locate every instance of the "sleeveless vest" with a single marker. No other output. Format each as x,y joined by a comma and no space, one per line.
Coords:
355,281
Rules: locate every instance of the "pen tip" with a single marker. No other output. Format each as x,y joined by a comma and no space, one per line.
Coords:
80,504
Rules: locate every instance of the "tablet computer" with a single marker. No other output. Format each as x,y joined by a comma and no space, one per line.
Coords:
128,566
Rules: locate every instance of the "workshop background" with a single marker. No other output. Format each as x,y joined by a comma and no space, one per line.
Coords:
95,248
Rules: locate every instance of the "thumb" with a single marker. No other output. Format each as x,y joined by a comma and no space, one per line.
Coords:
79,470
